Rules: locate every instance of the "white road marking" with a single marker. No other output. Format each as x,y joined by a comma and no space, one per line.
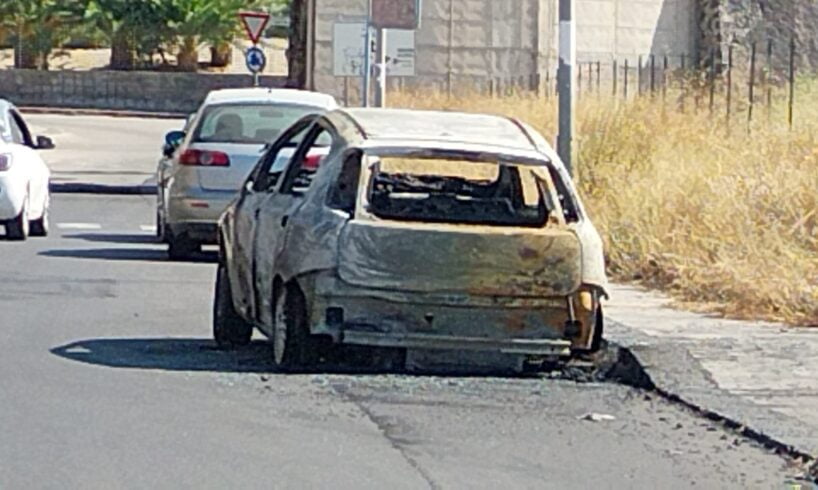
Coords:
147,227
79,226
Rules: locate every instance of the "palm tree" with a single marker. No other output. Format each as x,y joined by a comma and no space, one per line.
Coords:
194,22
37,27
133,27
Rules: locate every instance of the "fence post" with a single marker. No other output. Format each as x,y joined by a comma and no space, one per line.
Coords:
598,78
712,80
639,76
729,84
652,74
752,86
792,83
625,85
615,74
683,85
768,86
664,79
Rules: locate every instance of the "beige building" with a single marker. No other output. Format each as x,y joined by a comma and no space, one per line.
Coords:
494,44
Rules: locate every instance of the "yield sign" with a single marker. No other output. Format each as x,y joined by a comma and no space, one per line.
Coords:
254,24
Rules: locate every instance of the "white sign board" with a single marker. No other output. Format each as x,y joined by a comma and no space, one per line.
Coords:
348,51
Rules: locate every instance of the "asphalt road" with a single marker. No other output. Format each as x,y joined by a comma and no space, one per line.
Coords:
102,149
108,379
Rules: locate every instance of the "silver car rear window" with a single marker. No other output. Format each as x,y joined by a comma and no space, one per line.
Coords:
248,123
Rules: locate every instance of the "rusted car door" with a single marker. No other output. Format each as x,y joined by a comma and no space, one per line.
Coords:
273,220
259,188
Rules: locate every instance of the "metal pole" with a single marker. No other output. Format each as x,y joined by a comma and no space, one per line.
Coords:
380,93
565,75
367,56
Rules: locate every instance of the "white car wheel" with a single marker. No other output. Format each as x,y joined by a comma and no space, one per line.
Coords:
39,227
17,228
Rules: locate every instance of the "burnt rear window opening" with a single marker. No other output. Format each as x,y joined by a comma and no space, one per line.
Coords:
460,191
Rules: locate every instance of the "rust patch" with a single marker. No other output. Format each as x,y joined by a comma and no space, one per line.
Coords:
528,253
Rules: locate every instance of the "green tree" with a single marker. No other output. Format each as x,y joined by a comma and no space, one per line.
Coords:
134,28
36,27
196,22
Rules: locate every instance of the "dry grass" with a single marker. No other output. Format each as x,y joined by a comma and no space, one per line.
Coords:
724,221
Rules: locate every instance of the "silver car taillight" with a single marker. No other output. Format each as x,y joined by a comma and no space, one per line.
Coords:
5,161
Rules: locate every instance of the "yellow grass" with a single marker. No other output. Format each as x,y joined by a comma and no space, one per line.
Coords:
724,221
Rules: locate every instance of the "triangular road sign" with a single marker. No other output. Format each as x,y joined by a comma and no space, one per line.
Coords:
254,24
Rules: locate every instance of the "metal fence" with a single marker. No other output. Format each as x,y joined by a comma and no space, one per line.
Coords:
740,84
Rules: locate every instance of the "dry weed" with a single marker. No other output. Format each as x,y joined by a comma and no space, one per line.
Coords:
725,220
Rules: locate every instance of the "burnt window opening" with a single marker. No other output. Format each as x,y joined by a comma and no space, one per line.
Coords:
344,191
459,192
570,210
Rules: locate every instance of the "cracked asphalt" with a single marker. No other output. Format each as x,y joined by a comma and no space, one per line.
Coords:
110,380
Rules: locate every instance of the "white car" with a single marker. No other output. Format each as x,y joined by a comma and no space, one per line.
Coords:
205,165
24,177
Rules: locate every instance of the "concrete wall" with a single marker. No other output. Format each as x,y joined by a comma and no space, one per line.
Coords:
487,43
139,91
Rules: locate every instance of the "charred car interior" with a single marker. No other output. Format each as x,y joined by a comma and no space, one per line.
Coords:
459,190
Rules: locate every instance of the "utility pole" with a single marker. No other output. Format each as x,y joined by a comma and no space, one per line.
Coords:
367,55
565,83
380,92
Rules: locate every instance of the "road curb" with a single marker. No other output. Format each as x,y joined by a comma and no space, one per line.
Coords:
72,111
87,188
670,371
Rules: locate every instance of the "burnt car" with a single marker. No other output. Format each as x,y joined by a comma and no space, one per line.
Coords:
410,230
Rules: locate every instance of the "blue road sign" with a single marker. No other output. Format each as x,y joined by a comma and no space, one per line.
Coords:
255,59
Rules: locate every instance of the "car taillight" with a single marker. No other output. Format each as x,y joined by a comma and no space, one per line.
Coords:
204,158
311,162
5,162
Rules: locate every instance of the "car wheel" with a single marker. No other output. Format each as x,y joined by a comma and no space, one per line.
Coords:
599,327
181,247
39,227
229,329
293,346
17,228
160,226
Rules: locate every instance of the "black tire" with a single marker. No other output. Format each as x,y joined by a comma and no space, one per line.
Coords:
181,247
18,228
229,329
599,328
293,346
160,226
39,227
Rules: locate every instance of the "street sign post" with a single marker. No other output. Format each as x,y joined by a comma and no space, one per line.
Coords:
383,15
254,25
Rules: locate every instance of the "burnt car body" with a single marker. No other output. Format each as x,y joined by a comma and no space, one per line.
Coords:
418,230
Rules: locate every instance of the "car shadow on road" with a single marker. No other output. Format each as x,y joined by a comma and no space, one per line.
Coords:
143,239
128,254
168,354
202,355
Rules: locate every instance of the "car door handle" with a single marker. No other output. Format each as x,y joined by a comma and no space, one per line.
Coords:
284,221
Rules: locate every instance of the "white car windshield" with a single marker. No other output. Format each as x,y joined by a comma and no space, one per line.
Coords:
248,123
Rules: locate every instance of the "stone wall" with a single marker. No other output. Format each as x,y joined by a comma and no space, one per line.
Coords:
779,21
137,91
